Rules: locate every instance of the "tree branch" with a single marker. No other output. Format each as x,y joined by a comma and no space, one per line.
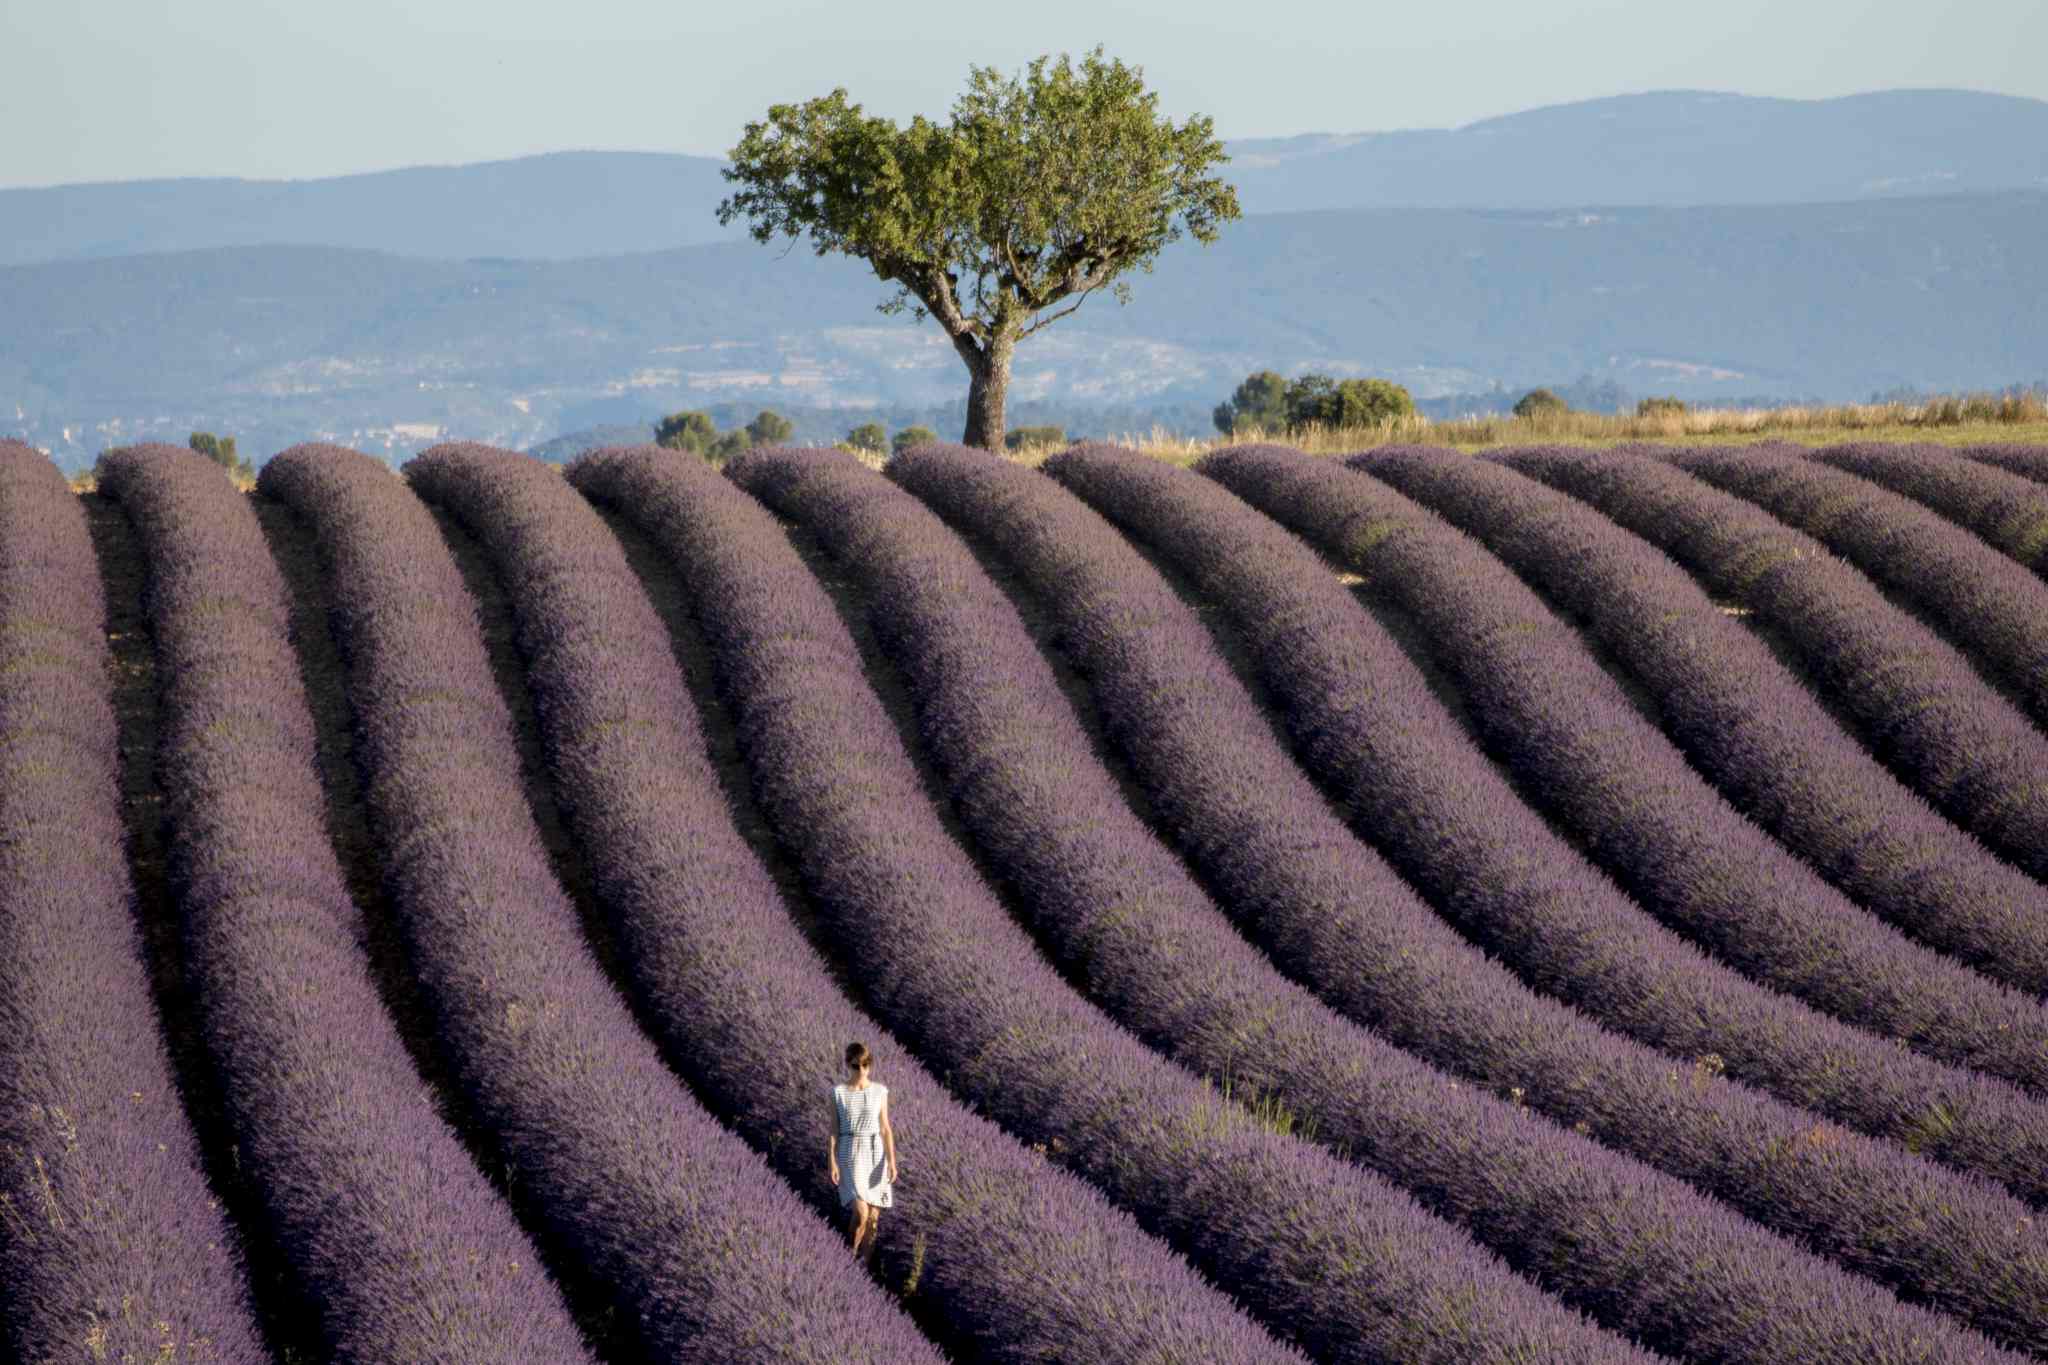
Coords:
1050,318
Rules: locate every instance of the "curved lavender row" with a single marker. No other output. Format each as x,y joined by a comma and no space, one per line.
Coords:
1611,778
2027,461
1913,699
1746,722
700,1249
107,1229
1673,1268
385,1226
2001,506
1492,865
1364,717
1614,780
1028,1262
1326,1253
1993,608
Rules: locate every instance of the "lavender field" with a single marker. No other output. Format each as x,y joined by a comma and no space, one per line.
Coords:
1547,905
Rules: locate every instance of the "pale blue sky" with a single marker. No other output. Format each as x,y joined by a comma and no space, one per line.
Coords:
123,89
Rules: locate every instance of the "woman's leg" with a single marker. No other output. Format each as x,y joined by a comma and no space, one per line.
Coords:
874,1233
857,1225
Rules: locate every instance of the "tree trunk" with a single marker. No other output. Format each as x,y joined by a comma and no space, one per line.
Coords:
987,392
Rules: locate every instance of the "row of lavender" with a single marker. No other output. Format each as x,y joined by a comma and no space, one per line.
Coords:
644,1202
1916,701
1331,914
1593,945
1328,1254
1124,917
1984,488
1023,1261
109,1238
1989,605
1615,782
1741,718
391,1238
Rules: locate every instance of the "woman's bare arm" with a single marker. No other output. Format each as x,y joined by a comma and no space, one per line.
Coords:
888,1139
832,1145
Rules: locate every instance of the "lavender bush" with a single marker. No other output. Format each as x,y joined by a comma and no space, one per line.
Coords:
1127,919
1410,780
1915,702
1026,1261
2027,461
1326,1253
109,1237
702,1252
388,1232
2000,505
1993,608
1747,723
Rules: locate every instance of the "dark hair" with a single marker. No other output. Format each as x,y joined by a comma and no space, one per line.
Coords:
857,1055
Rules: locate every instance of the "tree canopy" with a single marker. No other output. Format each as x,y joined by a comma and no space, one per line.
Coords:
1042,189
692,431
911,437
1539,402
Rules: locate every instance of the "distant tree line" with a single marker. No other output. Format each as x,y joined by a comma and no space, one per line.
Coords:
696,431
1269,401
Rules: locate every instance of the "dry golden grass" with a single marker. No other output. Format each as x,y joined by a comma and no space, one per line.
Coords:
1971,420
1945,421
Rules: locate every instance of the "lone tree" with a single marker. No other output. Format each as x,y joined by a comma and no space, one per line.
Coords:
1042,189
1540,403
769,428
910,438
869,436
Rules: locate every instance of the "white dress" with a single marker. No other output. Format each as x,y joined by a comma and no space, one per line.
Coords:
863,1164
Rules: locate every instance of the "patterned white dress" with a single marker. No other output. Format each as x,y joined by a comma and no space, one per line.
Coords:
863,1164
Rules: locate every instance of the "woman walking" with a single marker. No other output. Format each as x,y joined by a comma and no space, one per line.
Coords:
862,1155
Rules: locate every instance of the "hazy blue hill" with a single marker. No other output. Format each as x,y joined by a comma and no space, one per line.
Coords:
279,344
560,206
1670,148
1673,148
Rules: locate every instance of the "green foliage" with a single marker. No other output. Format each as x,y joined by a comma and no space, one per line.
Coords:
1372,402
1540,403
870,436
1312,400
1319,400
1661,407
1260,401
1040,187
1019,437
911,436
692,431
1040,190
221,450
769,428
695,431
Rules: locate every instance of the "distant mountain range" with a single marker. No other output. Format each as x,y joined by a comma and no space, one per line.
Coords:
280,344
1664,149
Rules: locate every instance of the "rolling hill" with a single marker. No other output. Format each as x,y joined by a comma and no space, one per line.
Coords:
282,344
1667,148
